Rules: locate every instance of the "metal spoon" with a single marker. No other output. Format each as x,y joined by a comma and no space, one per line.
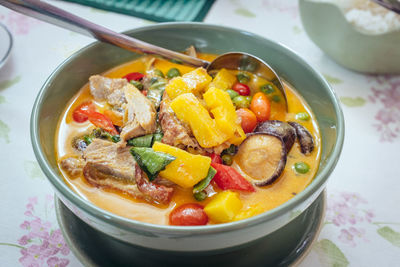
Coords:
54,15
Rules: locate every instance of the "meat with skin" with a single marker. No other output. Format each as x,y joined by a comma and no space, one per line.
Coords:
107,89
100,179
111,159
116,99
159,193
140,114
72,165
111,166
175,132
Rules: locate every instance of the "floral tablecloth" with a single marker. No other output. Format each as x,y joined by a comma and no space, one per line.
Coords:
362,224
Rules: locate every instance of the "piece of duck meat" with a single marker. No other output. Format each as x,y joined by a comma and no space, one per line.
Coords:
159,193
72,165
111,166
111,159
107,89
100,179
140,114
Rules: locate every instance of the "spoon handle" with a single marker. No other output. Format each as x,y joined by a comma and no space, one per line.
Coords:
54,15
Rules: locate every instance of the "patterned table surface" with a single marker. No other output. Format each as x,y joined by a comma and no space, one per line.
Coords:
362,224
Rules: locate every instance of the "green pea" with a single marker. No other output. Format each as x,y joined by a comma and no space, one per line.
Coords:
231,150
158,73
232,93
243,77
241,102
200,196
173,72
116,138
227,159
267,89
137,84
276,98
301,167
303,116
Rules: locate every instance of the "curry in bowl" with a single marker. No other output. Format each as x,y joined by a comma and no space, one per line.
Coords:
159,142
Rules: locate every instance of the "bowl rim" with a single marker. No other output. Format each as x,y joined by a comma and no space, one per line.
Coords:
129,224
349,24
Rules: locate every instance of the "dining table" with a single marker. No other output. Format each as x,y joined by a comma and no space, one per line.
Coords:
361,225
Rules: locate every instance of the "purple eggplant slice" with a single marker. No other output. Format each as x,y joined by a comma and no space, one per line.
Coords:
262,157
279,128
305,138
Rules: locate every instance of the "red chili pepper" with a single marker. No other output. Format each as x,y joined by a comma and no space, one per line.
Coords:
228,178
241,89
102,121
80,113
215,158
134,76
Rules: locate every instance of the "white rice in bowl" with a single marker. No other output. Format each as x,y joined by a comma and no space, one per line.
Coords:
368,16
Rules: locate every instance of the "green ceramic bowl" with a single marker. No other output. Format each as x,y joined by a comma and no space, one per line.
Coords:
72,74
328,28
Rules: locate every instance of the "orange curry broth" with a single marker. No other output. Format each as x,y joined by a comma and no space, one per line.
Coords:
264,199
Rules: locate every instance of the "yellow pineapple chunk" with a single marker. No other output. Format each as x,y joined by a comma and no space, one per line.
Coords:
223,207
189,110
239,136
191,82
177,86
224,80
220,105
197,79
224,113
187,169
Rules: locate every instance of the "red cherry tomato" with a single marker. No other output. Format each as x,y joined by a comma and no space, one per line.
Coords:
261,106
216,158
81,112
241,89
134,76
248,118
188,214
102,121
